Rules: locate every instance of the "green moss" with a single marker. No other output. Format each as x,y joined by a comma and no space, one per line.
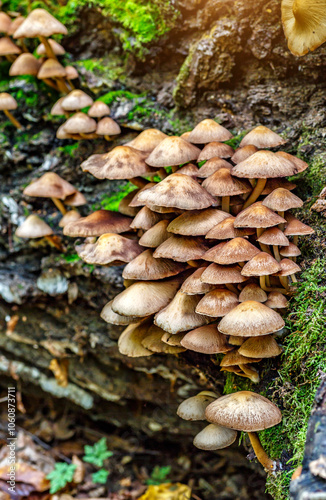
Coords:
111,202
69,149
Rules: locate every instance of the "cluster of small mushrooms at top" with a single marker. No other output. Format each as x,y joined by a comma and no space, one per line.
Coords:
209,246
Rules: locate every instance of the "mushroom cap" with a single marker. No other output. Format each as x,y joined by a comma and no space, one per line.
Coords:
281,200
262,137
177,191
33,227
110,248
147,140
70,216
272,184
221,183
196,223
264,165
251,319
180,314
258,216
262,264
214,149
219,275
194,408
225,230
25,64
304,25
276,300
5,22
71,73
80,123
252,292
214,437
301,165
57,109
288,267
8,47
135,201
49,185
206,340
185,135
155,235
172,151
212,166
14,24
124,207
244,411
181,249
146,218
98,109
260,347
171,339
290,251
76,99
98,223
146,267
51,68
234,358
55,46
62,134
189,169
273,236
193,284
40,23
116,319
209,131
7,101
130,341
76,200
243,153
153,342
107,126
236,250
122,162
144,298
295,227
217,303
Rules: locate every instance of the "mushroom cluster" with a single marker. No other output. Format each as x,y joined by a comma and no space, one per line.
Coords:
216,243
79,125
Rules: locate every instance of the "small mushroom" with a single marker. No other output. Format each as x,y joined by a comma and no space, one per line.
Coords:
147,140
206,340
217,303
35,227
262,137
222,184
181,249
214,437
193,284
57,49
215,149
194,408
212,166
232,252
25,64
130,341
107,127
7,104
172,151
98,223
109,249
51,185
196,223
146,267
209,131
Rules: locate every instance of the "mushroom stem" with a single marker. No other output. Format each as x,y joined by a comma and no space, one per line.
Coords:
71,84
162,173
260,453
54,242
62,85
276,253
10,57
293,278
241,264
232,288
256,193
174,169
284,281
48,48
226,203
107,138
59,205
281,226
265,248
50,83
192,263
262,283
296,240
139,182
259,231
12,119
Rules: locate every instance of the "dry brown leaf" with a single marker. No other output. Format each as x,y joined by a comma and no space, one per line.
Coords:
11,324
167,491
60,371
27,474
79,473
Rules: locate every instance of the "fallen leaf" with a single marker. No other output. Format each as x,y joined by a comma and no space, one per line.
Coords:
60,371
26,474
167,491
79,473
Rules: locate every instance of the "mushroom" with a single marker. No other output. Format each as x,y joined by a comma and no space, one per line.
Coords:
290,251
193,284
221,274
146,267
189,169
153,342
9,49
288,267
15,23
130,341
71,216
155,235
258,216
147,140
300,164
5,22
25,64
260,347
215,149
252,292
181,249
217,303
51,185
196,223
174,340
209,131
272,184
296,228
212,166
262,137
7,104
234,251
81,124
76,100
281,200
98,223
107,127
221,183
35,227
77,199
172,151
109,249
50,70
194,408
243,153
235,359
248,412
146,219
262,265
116,319
206,340
275,237
225,230
214,437
57,49
99,109
276,300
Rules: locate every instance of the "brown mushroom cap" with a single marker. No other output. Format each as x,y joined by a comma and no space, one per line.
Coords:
212,166
156,235
281,200
236,250
243,153
71,216
181,249
225,230
147,140
258,216
251,319
98,223
209,131
260,347
155,295
107,126
221,183
262,264
194,408
55,46
62,134
196,223
33,227
214,437
25,64
272,184
116,319
110,248
215,149
189,169
80,123
146,267
193,284
146,218
7,101
219,275
264,165
76,199
273,236
290,251
172,151
171,339
262,137
177,191
40,23
57,109
124,207
301,165
122,162
295,227
130,341
288,267
135,201
153,342
276,300
185,135
76,99
51,68
180,315
71,73
98,109
15,23
244,411
234,358
253,292
49,185
8,47
217,303
5,22
206,340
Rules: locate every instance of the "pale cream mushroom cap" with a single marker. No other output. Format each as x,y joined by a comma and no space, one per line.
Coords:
55,46
116,319
107,126
130,341
215,149
153,342
214,437
194,408
156,235
146,267
220,274
80,123
258,216
232,252
281,200
7,101
172,151
264,165
193,284
110,248
197,223
99,109
33,227
8,47
206,340
40,23
262,137
76,99
147,140
181,249
25,64
209,131
217,303
212,166
49,185
98,223
252,292
262,264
